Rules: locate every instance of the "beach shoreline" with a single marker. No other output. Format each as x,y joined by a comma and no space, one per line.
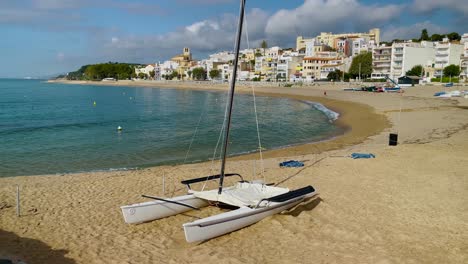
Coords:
406,205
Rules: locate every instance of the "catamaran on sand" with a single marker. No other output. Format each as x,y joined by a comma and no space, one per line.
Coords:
254,200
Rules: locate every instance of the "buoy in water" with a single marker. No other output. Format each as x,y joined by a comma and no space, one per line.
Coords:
119,128
94,103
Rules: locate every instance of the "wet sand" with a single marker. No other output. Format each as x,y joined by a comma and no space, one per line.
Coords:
408,205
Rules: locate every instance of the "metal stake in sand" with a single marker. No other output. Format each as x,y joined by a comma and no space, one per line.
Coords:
164,183
17,201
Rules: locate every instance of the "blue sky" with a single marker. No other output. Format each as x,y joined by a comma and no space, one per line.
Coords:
42,37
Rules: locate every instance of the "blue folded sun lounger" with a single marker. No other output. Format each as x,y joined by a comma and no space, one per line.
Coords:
291,163
362,155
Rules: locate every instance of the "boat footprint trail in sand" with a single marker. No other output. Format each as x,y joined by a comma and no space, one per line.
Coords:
254,200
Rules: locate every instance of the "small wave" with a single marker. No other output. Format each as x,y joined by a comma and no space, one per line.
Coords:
98,170
332,116
12,129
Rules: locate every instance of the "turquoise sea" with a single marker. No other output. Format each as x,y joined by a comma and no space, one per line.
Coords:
56,128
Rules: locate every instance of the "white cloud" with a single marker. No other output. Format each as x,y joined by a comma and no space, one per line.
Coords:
459,6
315,16
280,28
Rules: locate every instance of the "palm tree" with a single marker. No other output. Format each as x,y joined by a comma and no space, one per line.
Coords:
264,45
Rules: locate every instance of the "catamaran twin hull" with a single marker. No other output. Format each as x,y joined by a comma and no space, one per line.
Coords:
217,225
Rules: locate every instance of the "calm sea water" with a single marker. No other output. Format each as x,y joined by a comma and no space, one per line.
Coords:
55,128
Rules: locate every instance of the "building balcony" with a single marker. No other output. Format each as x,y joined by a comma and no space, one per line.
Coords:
442,46
441,54
377,60
382,53
397,66
384,65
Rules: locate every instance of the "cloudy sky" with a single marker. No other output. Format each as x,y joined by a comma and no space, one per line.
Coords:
42,37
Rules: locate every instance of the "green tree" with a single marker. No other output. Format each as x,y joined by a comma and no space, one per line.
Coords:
104,70
152,74
264,45
415,71
437,37
424,35
199,74
189,73
453,36
335,75
141,75
365,60
452,70
173,75
347,76
214,74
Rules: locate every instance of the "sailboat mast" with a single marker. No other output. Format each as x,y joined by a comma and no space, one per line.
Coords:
231,93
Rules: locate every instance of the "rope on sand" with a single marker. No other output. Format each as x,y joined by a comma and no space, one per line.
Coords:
298,172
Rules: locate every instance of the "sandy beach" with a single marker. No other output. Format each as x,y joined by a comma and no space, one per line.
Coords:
408,205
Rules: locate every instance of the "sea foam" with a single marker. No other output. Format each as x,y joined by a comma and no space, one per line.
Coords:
332,116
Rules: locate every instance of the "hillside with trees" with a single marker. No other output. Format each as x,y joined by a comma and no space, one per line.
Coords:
97,72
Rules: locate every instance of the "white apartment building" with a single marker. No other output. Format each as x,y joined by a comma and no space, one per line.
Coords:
407,55
157,71
287,65
273,52
446,53
259,62
225,71
224,56
168,67
381,62
464,58
145,70
357,46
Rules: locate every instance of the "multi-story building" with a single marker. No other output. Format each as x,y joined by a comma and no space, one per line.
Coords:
185,61
381,62
407,55
287,64
273,52
225,71
248,54
167,68
145,70
328,38
358,46
215,60
312,47
464,58
318,67
446,53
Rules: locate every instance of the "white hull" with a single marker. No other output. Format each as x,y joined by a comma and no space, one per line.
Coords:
224,223
148,211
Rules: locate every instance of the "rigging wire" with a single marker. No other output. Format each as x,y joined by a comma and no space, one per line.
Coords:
262,169
194,134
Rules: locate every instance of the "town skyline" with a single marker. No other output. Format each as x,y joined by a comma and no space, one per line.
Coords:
142,32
